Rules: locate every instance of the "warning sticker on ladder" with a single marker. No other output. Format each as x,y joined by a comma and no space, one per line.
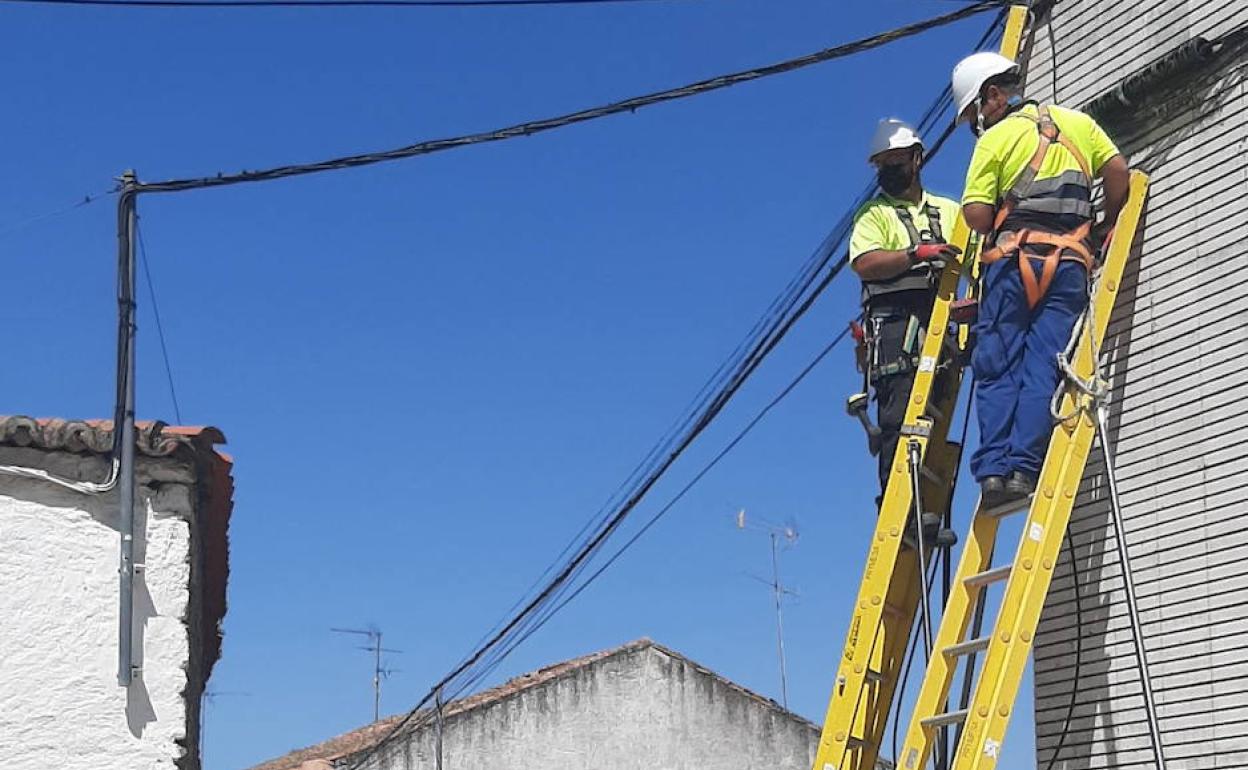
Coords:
1036,533
927,364
991,748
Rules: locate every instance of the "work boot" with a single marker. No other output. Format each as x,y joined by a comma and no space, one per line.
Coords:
1019,486
937,535
933,533
992,491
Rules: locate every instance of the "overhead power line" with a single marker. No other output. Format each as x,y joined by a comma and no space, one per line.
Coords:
27,222
791,305
548,124
796,299
160,327
328,3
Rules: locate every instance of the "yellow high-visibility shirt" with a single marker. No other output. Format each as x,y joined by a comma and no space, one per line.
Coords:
877,226
1004,151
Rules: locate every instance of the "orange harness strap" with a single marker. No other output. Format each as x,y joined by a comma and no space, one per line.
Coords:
1062,245
1066,246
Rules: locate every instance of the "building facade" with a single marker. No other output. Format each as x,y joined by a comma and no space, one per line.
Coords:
1177,354
636,707
60,702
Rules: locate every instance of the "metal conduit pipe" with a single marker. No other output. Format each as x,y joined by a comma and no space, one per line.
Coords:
123,423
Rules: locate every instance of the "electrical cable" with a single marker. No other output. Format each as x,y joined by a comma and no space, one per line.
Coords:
1045,11
327,3
1074,685
943,102
905,671
160,328
821,257
551,610
795,304
671,503
39,474
593,113
697,477
24,223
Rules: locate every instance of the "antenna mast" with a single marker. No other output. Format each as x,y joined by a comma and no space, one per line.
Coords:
374,646
775,533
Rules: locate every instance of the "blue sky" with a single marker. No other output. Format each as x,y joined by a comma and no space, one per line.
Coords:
432,372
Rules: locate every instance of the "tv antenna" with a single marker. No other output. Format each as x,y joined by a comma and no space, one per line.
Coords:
777,534
379,671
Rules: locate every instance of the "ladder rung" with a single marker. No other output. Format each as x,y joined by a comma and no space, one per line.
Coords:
969,646
988,577
951,718
873,676
932,476
855,743
1008,508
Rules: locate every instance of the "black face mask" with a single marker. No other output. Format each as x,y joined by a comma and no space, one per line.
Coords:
895,178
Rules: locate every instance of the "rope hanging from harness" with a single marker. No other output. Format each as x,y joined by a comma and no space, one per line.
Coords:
1026,243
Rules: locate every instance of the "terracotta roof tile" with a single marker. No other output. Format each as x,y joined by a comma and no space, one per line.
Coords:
156,439
153,438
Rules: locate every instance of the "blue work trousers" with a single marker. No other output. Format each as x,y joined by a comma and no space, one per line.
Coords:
1015,363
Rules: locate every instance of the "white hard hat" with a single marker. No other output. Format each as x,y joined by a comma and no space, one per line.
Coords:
893,134
971,74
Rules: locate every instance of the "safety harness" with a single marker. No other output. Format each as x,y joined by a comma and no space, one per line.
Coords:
920,277
1069,193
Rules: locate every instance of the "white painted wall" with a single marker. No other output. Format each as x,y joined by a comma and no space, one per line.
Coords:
60,704
640,709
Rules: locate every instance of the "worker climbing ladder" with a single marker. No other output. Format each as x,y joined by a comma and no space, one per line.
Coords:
896,580
1028,576
889,597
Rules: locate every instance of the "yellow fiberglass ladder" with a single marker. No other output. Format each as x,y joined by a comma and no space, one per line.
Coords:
924,468
1028,576
896,579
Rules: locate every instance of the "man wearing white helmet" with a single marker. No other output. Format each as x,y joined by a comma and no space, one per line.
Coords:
898,248
1029,190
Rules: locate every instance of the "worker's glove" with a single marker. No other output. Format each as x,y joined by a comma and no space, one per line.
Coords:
938,254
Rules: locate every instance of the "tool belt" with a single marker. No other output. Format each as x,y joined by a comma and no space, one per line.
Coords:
867,351
901,365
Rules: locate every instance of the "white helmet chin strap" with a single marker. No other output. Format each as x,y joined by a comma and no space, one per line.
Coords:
978,126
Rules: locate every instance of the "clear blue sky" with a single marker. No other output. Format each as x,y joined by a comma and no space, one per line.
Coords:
432,372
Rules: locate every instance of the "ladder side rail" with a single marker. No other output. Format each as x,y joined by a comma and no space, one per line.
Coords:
869,628
1031,572
875,638
1012,643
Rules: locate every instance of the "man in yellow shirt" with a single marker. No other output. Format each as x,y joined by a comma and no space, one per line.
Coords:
1029,191
898,249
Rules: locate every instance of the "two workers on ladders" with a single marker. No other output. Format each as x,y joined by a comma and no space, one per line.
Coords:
1029,194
